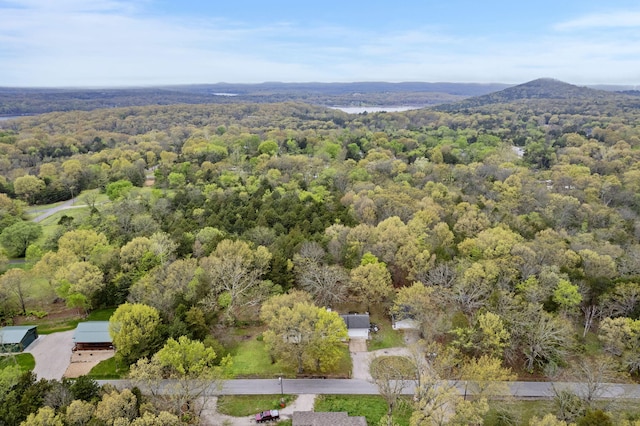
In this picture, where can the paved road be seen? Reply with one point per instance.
(522, 390)
(48, 212)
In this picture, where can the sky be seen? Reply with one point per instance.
(116, 43)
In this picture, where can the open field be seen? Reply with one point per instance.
(370, 406)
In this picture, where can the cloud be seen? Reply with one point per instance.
(112, 42)
(620, 19)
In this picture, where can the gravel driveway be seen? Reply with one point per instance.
(210, 417)
(52, 353)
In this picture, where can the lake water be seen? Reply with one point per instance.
(9, 117)
(360, 110)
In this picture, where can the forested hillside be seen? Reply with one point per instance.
(508, 226)
(28, 101)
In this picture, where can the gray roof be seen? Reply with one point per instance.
(14, 334)
(356, 320)
(92, 332)
(310, 418)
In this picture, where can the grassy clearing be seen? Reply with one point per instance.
(109, 369)
(101, 314)
(387, 337)
(373, 407)
(251, 359)
(26, 361)
(48, 327)
(50, 224)
(246, 405)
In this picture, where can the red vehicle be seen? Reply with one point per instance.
(268, 416)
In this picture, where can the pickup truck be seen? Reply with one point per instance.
(268, 416)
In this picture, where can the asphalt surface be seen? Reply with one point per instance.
(52, 353)
(520, 390)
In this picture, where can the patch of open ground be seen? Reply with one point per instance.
(210, 416)
(83, 361)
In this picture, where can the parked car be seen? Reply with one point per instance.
(268, 416)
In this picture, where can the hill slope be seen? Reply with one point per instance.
(543, 89)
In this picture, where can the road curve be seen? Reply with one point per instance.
(48, 212)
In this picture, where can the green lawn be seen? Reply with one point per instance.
(387, 337)
(246, 405)
(373, 407)
(24, 360)
(250, 359)
(101, 314)
(109, 369)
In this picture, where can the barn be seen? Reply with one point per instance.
(92, 336)
(17, 338)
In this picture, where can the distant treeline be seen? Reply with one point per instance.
(25, 101)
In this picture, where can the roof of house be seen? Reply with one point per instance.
(310, 418)
(92, 332)
(356, 320)
(14, 334)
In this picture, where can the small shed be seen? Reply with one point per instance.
(16, 338)
(311, 418)
(92, 336)
(357, 325)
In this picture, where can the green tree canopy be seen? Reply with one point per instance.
(17, 237)
(134, 328)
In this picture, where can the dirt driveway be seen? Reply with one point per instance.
(52, 353)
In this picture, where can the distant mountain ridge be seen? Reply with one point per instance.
(442, 96)
(540, 89)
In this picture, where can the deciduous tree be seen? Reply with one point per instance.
(83, 243)
(236, 270)
(29, 187)
(371, 281)
(304, 335)
(117, 405)
(190, 366)
(134, 330)
(14, 282)
(17, 237)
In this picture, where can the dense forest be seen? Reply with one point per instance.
(22, 101)
(506, 225)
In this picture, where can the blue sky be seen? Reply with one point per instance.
(150, 42)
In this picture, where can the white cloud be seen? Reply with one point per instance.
(111, 42)
(620, 19)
